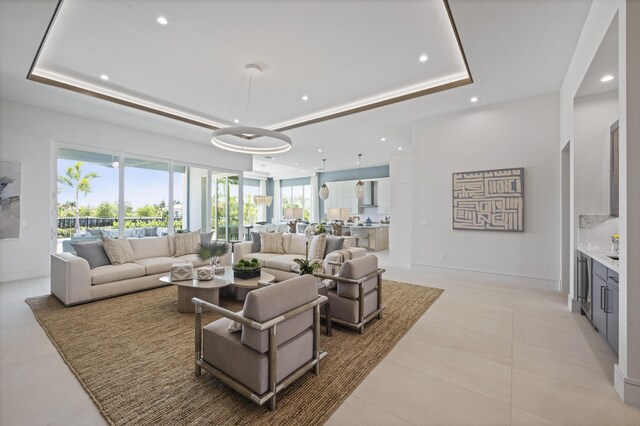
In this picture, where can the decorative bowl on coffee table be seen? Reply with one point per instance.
(246, 273)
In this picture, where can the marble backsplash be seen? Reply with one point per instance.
(595, 231)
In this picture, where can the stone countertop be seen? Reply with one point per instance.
(377, 225)
(600, 256)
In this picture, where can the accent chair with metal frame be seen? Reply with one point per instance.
(355, 292)
(277, 344)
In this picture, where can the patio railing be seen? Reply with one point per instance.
(100, 222)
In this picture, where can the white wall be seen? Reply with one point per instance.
(26, 136)
(522, 133)
(593, 117)
(401, 209)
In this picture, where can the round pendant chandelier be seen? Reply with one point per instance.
(263, 200)
(324, 189)
(246, 139)
(360, 184)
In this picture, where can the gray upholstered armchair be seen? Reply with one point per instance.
(355, 292)
(277, 344)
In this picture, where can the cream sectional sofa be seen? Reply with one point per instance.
(73, 282)
(280, 265)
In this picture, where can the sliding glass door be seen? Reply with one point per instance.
(117, 195)
(225, 206)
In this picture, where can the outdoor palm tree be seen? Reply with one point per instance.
(75, 181)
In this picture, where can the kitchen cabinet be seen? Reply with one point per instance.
(605, 303)
(598, 314)
(612, 306)
(342, 195)
(614, 178)
(383, 196)
(372, 238)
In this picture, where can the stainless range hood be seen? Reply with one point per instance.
(370, 198)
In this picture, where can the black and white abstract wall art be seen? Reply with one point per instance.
(9, 200)
(489, 200)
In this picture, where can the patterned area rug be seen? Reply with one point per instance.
(134, 356)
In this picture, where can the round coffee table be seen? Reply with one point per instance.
(209, 291)
(245, 286)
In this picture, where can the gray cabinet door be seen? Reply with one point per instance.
(598, 315)
(613, 313)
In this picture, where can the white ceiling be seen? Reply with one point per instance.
(605, 62)
(340, 54)
(514, 49)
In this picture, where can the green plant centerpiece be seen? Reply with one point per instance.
(245, 269)
(211, 252)
(308, 266)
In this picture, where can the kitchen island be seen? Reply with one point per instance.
(373, 237)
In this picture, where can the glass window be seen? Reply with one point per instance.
(250, 212)
(307, 202)
(179, 200)
(87, 196)
(296, 197)
(146, 192)
(224, 207)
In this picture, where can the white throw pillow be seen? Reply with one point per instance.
(271, 243)
(187, 243)
(318, 246)
(118, 251)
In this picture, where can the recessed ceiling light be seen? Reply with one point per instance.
(305, 98)
(296, 164)
(319, 149)
(162, 20)
(474, 99)
(423, 58)
(269, 158)
(236, 121)
(399, 148)
(104, 77)
(606, 78)
(383, 139)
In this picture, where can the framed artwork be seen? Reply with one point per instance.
(489, 200)
(9, 200)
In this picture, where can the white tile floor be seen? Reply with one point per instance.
(483, 354)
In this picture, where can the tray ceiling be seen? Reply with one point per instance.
(345, 56)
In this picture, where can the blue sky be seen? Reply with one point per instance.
(142, 186)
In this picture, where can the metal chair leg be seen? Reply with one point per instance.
(272, 403)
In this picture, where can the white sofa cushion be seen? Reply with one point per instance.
(157, 265)
(111, 273)
(286, 242)
(283, 262)
(145, 248)
(297, 244)
(260, 256)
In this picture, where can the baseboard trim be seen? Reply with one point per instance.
(627, 388)
(502, 277)
(574, 305)
(23, 275)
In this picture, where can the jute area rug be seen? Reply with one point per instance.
(134, 355)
